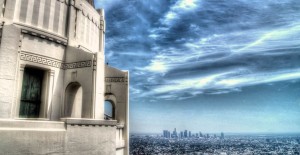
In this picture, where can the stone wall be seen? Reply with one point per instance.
(43, 137)
(116, 91)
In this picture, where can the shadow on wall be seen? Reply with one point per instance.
(73, 100)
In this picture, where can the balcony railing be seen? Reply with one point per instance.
(108, 117)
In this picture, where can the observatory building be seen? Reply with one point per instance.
(57, 96)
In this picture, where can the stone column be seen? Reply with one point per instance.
(50, 93)
(99, 72)
(99, 87)
(72, 25)
(19, 91)
(102, 32)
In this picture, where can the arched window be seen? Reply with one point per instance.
(109, 110)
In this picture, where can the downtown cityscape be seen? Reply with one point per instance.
(188, 134)
(189, 143)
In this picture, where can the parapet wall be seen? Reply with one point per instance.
(75, 137)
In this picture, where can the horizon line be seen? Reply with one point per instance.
(224, 132)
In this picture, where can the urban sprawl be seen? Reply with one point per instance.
(188, 143)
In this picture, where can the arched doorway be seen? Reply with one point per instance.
(73, 100)
(109, 110)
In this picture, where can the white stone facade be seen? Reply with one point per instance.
(53, 81)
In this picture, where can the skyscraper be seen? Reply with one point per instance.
(190, 134)
(181, 134)
(174, 135)
(185, 134)
(166, 134)
(222, 135)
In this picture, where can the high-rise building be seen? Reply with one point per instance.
(166, 134)
(174, 135)
(222, 135)
(200, 134)
(181, 134)
(190, 134)
(185, 134)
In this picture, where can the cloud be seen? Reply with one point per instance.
(217, 83)
(184, 48)
(226, 66)
(281, 36)
(181, 7)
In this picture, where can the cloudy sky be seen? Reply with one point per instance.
(208, 65)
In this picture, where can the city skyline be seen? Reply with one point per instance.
(230, 66)
(189, 134)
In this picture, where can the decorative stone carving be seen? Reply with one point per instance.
(115, 79)
(53, 62)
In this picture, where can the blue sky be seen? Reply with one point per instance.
(208, 65)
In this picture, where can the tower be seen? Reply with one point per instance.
(174, 133)
(181, 134)
(222, 135)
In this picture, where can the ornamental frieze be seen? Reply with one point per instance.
(53, 62)
(115, 79)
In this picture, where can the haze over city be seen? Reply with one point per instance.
(208, 65)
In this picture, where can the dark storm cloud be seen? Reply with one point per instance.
(180, 49)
